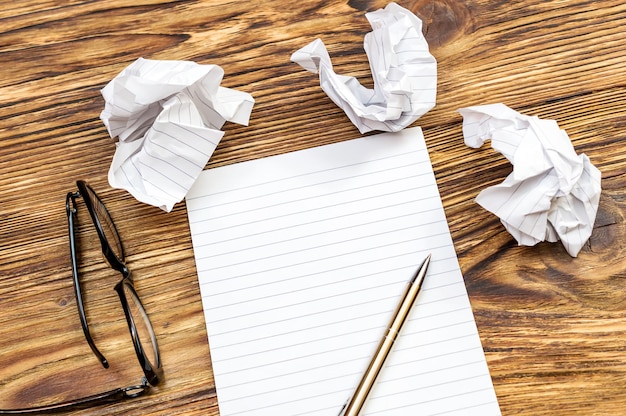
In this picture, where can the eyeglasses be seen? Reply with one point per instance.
(141, 331)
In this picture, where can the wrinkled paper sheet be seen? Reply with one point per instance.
(168, 116)
(552, 193)
(404, 73)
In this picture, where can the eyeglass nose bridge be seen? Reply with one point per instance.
(117, 265)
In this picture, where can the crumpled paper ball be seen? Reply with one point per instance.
(167, 115)
(404, 73)
(552, 193)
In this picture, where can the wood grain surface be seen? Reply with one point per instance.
(553, 327)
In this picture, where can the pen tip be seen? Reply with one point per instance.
(421, 270)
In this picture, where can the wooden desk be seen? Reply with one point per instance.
(553, 328)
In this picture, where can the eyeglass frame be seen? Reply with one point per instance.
(153, 372)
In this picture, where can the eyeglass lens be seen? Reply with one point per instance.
(108, 228)
(145, 333)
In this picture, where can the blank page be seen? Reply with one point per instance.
(302, 259)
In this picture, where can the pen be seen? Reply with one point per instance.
(356, 402)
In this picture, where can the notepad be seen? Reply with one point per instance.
(301, 260)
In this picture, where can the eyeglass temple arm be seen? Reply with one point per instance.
(110, 396)
(71, 214)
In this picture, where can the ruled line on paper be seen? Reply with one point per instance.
(424, 373)
(274, 183)
(330, 293)
(447, 367)
(434, 315)
(402, 254)
(424, 345)
(317, 221)
(301, 258)
(326, 296)
(211, 269)
(447, 355)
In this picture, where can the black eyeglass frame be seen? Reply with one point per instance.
(153, 372)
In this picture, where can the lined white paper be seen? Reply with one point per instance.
(301, 260)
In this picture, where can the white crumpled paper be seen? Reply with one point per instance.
(552, 193)
(168, 116)
(404, 73)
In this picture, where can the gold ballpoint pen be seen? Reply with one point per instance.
(356, 402)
